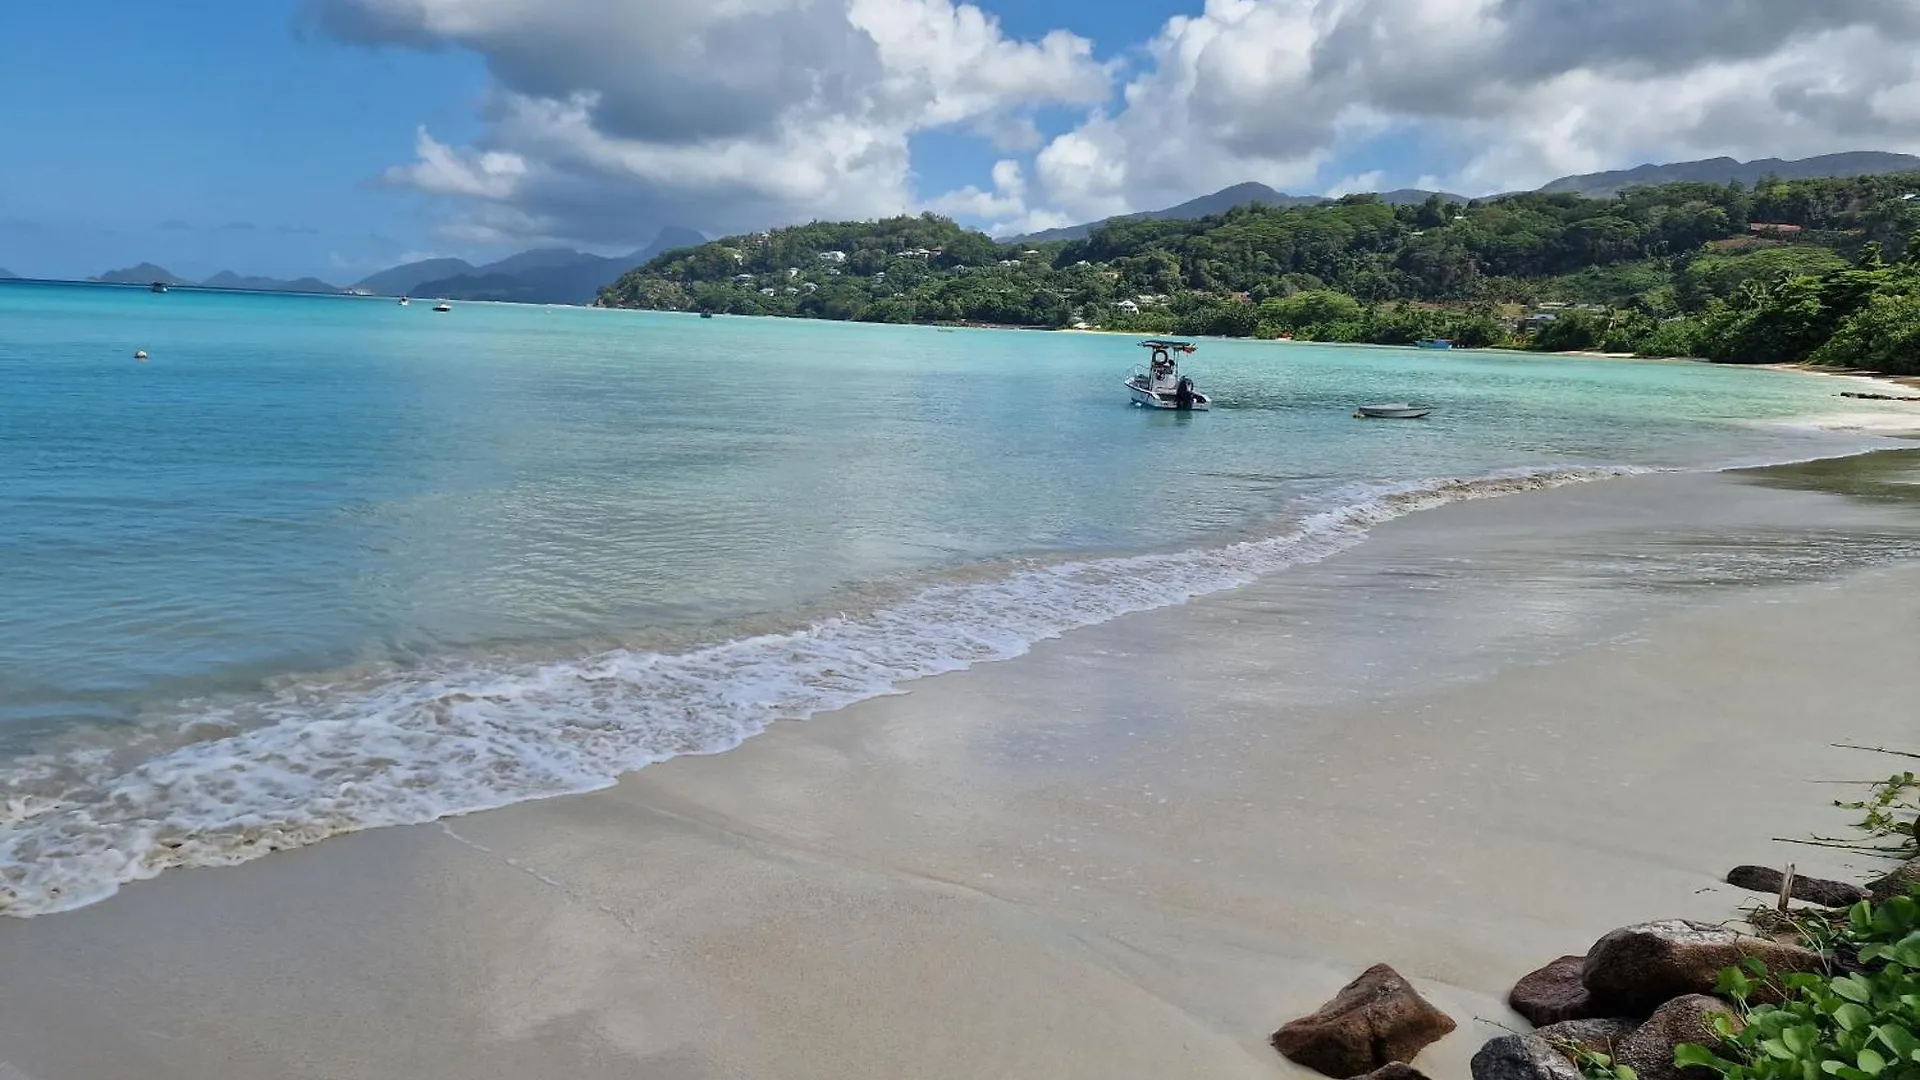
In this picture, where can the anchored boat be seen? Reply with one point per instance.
(1398, 410)
(1160, 385)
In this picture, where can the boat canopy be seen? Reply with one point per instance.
(1158, 345)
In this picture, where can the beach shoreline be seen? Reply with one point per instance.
(1132, 852)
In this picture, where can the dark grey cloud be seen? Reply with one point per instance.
(659, 70)
(1378, 52)
(175, 225)
(239, 226)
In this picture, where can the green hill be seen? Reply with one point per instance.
(1668, 270)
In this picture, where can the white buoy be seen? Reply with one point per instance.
(140, 354)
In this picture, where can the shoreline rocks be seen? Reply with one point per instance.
(1819, 891)
(1553, 994)
(1522, 1057)
(1375, 1021)
(1636, 969)
(1899, 883)
(1649, 1049)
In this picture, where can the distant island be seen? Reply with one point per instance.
(541, 276)
(6, 274)
(1786, 271)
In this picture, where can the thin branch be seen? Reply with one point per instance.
(1842, 844)
(1876, 750)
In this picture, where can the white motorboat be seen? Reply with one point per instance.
(443, 306)
(1160, 385)
(404, 301)
(1398, 410)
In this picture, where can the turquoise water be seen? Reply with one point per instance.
(322, 563)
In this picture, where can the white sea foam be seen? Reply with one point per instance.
(317, 760)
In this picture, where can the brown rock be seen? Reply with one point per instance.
(1522, 1057)
(1812, 890)
(1592, 1036)
(1395, 1070)
(1553, 994)
(1377, 1019)
(1637, 969)
(1899, 883)
(1649, 1050)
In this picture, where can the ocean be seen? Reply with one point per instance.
(324, 564)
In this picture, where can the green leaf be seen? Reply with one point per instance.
(1871, 1062)
(1853, 988)
(1898, 1039)
(1777, 1048)
(1755, 965)
(1689, 1055)
(1799, 1039)
(1850, 1017)
(1860, 917)
(1625, 1072)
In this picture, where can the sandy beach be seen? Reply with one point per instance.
(1479, 740)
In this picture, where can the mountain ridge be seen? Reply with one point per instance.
(142, 274)
(1723, 170)
(1719, 170)
(549, 275)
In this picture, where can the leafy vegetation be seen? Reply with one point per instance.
(1784, 273)
(1856, 1025)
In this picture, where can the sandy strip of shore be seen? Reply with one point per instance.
(1131, 853)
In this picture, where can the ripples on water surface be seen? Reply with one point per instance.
(324, 563)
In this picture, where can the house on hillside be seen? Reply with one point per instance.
(833, 257)
(1127, 307)
(1766, 228)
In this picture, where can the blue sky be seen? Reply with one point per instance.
(336, 137)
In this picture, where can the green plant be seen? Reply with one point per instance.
(1858, 1025)
(1592, 1064)
(1891, 807)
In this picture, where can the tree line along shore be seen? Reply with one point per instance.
(1805, 271)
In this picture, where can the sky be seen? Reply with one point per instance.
(334, 138)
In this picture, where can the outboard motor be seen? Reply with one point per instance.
(1183, 394)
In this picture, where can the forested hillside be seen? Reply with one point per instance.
(1787, 270)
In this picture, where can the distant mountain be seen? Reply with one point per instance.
(227, 279)
(549, 275)
(1604, 185)
(1224, 200)
(1723, 170)
(407, 278)
(5, 274)
(144, 274)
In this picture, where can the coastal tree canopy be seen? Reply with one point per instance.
(1776, 273)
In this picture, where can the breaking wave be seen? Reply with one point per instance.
(316, 759)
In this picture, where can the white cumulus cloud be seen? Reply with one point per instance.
(1495, 94)
(610, 118)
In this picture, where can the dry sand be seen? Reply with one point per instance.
(1461, 749)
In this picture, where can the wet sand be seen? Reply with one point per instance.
(1476, 742)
